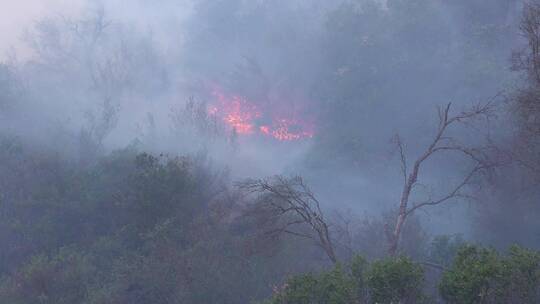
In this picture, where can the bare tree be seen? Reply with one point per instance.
(105, 63)
(98, 126)
(194, 117)
(526, 105)
(441, 143)
(528, 59)
(294, 205)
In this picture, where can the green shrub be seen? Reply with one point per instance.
(473, 276)
(395, 280)
(521, 270)
(481, 275)
(62, 279)
(332, 287)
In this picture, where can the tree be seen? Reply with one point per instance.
(510, 209)
(526, 106)
(395, 280)
(292, 204)
(482, 275)
(441, 143)
(333, 287)
(528, 59)
(194, 119)
(106, 64)
(392, 280)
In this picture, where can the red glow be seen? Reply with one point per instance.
(236, 112)
(246, 118)
(282, 131)
(265, 130)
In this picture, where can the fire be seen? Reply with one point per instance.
(240, 115)
(246, 118)
(281, 130)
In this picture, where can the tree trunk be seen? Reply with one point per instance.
(394, 241)
(402, 215)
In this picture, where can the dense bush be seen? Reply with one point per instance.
(481, 275)
(113, 232)
(475, 275)
(392, 280)
(395, 280)
(333, 287)
(138, 228)
(129, 228)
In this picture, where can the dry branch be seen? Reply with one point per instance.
(294, 203)
(440, 143)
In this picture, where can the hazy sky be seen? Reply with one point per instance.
(279, 54)
(17, 15)
(20, 14)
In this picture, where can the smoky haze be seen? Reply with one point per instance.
(315, 88)
(157, 141)
(358, 71)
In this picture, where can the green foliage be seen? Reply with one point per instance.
(472, 277)
(62, 279)
(481, 275)
(395, 280)
(130, 228)
(521, 270)
(359, 266)
(136, 228)
(332, 287)
(476, 275)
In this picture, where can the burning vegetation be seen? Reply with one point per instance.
(246, 117)
(166, 154)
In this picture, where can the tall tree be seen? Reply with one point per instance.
(442, 142)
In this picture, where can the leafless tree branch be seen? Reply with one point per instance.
(440, 143)
(293, 201)
(402, 156)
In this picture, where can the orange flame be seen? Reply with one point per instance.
(237, 112)
(243, 116)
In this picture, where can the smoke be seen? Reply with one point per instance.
(317, 88)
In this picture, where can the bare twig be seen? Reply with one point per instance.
(439, 144)
(292, 201)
